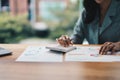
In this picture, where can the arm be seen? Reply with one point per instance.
(78, 33)
(77, 37)
(113, 46)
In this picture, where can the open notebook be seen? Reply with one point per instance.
(61, 48)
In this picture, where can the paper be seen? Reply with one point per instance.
(86, 50)
(88, 54)
(39, 54)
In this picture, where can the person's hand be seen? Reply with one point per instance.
(64, 40)
(109, 46)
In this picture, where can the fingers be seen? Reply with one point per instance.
(69, 40)
(109, 46)
(105, 48)
(113, 51)
(60, 42)
(64, 40)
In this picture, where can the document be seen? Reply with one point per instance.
(40, 54)
(90, 54)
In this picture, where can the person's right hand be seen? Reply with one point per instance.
(64, 40)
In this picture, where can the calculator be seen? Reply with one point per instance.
(4, 52)
(60, 48)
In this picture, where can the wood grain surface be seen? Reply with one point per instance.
(12, 70)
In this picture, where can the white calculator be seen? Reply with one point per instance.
(61, 48)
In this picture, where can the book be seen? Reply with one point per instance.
(60, 48)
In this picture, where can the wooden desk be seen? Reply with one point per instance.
(11, 70)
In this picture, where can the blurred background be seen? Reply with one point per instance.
(37, 21)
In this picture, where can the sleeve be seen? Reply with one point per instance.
(118, 20)
(117, 23)
(78, 33)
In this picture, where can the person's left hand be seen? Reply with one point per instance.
(109, 46)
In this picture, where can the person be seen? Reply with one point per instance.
(99, 23)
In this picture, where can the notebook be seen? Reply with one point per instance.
(61, 48)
